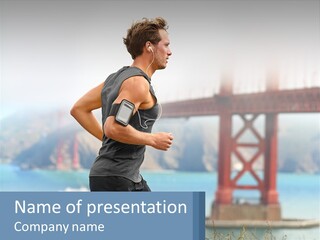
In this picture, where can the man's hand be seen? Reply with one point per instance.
(162, 140)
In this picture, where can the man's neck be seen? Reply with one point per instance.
(144, 64)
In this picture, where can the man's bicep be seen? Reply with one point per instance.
(134, 90)
(92, 99)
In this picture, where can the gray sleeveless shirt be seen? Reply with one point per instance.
(116, 158)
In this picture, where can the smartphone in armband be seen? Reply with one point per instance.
(124, 112)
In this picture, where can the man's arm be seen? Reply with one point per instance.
(82, 111)
(136, 90)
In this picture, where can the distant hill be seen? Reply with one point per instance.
(31, 140)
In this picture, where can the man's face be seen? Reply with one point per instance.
(162, 50)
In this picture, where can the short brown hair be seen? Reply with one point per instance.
(143, 31)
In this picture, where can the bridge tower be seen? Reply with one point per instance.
(224, 206)
(67, 148)
(76, 157)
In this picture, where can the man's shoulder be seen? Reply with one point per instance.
(136, 81)
(130, 75)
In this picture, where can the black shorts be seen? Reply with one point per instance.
(116, 183)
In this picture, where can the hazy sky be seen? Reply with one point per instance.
(52, 52)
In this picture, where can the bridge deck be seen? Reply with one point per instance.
(282, 101)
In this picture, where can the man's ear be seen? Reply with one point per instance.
(148, 46)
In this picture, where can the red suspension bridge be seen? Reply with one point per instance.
(226, 104)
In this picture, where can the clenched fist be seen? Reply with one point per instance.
(162, 140)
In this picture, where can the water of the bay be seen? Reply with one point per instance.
(299, 194)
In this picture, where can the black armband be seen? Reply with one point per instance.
(122, 112)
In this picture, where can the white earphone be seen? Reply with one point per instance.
(150, 50)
